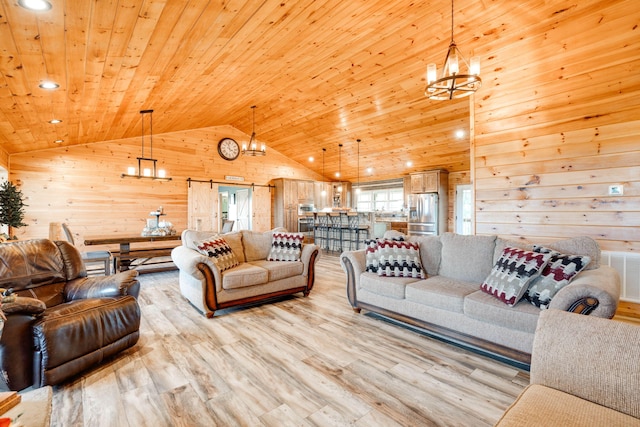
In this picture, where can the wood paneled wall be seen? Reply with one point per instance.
(557, 122)
(82, 186)
(4, 159)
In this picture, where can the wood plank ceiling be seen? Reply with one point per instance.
(321, 72)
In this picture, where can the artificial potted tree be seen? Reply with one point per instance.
(11, 208)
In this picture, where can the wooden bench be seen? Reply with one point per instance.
(123, 261)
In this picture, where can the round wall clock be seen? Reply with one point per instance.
(228, 149)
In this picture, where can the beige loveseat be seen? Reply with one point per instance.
(584, 372)
(449, 304)
(254, 278)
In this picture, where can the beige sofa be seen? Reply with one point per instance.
(255, 279)
(584, 372)
(449, 303)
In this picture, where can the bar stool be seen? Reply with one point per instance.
(335, 232)
(350, 229)
(321, 230)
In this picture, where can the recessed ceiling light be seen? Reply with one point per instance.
(38, 5)
(409, 163)
(55, 121)
(337, 174)
(460, 134)
(49, 85)
(369, 170)
(58, 141)
(311, 159)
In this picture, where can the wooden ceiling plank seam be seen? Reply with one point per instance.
(124, 23)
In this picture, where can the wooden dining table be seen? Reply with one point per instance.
(124, 257)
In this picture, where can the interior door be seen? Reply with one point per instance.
(202, 206)
(244, 210)
(261, 208)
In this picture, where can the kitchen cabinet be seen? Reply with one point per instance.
(427, 182)
(285, 204)
(305, 191)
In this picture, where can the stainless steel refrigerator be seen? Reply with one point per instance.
(423, 214)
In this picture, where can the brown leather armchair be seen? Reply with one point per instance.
(62, 322)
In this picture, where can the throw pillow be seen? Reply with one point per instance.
(371, 255)
(371, 252)
(511, 274)
(286, 246)
(219, 251)
(399, 259)
(557, 274)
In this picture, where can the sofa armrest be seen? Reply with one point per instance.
(353, 263)
(592, 358)
(191, 262)
(119, 284)
(305, 257)
(23, 305)
(187, 260)
(599, 287)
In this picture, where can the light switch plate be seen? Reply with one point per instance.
(616, 190)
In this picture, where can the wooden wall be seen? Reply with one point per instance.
(4, 159)
(557, 122)
(82, 186)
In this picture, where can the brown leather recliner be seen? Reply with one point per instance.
(62, 322)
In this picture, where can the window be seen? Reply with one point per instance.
(391, 199)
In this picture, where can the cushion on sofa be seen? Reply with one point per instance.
(280, 269)
(244, 275)
(399, 259)
(582, 245)
(440, 292)
(558, 273)
(234, 239)
(393, 287)
(510, 276)
(430, 253)
(466, 258)
(538, 405)
(219, 251)
(486, 308)
(256, 245)
(285, 246)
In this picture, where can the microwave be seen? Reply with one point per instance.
(304, 208)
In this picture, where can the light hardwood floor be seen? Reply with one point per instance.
(299, 361)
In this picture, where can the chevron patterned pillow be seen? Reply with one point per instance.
(286, 246)
(512, 273)
(219, 251)
(399, 259)
(557, 274)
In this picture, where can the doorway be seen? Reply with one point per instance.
(463, 209)
(235, 205)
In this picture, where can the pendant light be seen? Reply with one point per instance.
(452, 84)
(252, 148)
(148, 173)
(324, 191)
(358, 170)
(339, 173)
